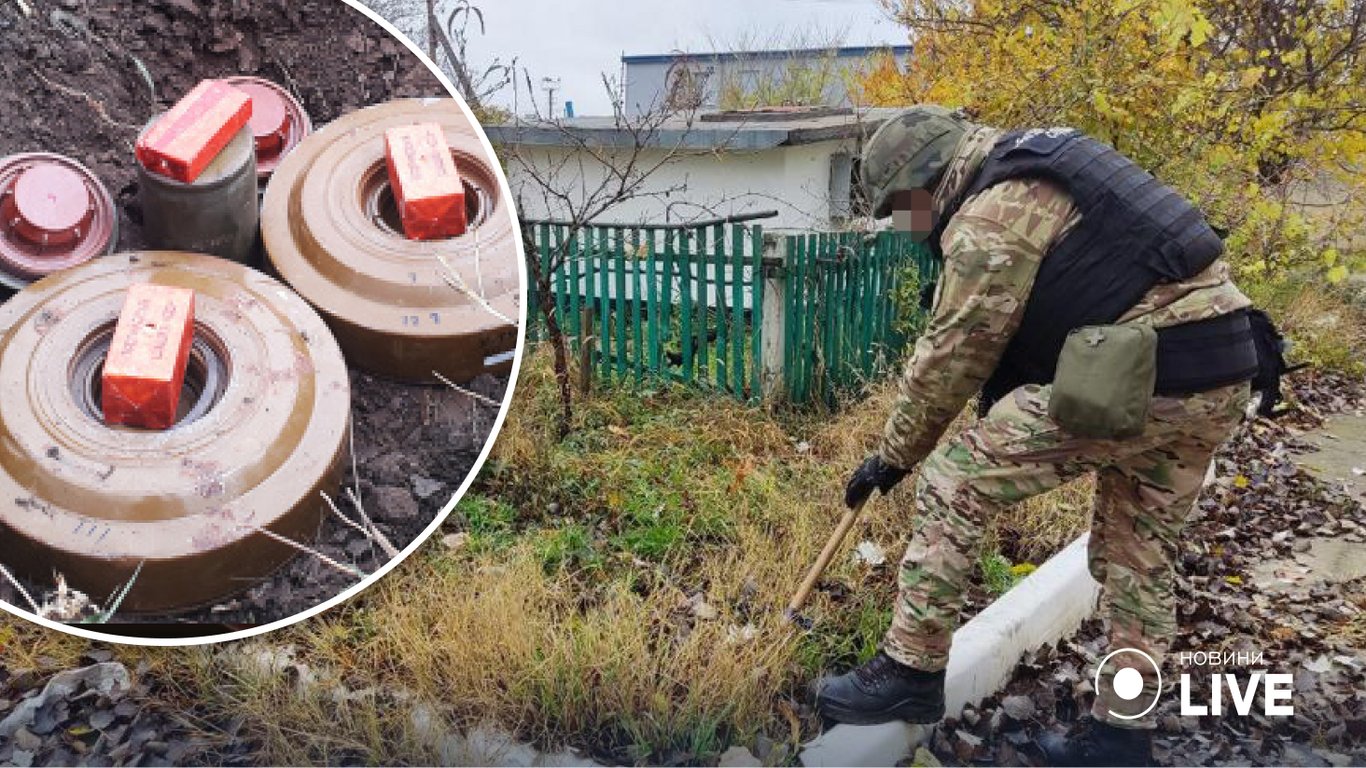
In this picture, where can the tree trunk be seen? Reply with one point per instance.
(433, 29)
(546, 305)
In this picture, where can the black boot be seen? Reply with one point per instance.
(1091, 742)
(881, 691)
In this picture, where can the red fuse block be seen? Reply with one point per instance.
(182, 142)
(146, 365)
(427, 187)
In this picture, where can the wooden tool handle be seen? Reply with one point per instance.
(822, 562)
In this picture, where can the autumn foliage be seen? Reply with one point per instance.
(1256, 110)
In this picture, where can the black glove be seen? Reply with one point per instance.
(872, 473)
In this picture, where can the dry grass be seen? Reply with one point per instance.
(28, 646)
(624, 593)
(1326, 324)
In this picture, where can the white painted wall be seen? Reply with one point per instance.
(795, 181)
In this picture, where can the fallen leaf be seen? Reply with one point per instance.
(1019, 708)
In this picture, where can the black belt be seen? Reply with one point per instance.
(1205, 354)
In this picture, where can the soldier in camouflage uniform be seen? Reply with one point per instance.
(993, 244)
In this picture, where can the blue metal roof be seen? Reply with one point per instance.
(862, 51)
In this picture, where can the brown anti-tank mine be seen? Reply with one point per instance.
(261, 433)
(331, 230)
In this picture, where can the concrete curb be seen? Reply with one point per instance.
(1043, 608)
(1046, 606)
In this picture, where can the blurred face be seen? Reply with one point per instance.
(913, 213)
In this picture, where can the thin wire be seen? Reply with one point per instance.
(475, 395)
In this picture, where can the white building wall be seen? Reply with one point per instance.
(795, 181)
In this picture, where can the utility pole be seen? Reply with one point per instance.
(550, 85)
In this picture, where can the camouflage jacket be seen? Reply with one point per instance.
(992, 250)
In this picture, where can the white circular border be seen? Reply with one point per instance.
(1156, 669)
(460, 492)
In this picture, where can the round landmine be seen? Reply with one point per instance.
(54, 214)
(262, 426)
(331, 230)
(278, 121)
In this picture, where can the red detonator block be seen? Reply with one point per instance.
(146, 365)
(182, 142)
(427, 187)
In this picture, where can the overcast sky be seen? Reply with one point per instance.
(578, 40)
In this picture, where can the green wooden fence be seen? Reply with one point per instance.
(690, 305)
(851, 307)
(679, 303)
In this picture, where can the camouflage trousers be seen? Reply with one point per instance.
(1146, 486)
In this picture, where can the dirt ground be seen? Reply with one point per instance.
(81, 77)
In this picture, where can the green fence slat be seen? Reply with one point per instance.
(867, 278)
(552, 252)
(822, 323)
(667, 297)
(843, 342)
(558, 280)
(874, 305)
(827, 325)
(702, 326)
(800, 334)
(890, 270)
(834, 367)
(542, 247)
(788, 310)
(686, 314)
(639, 310)
(543, 256)
(604, 323)
(808, 309)
(793, 327)
(858, 319)
(809, 345)
(841, 303)
(623, 306)
(584, 247)
(737, 310)
(853, 345)
(756, 312)
(717, 259)
(875, 301)
(823, 371)
(819, 320)
(652, 300)
(571, 267)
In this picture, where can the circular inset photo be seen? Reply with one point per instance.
(262, 308)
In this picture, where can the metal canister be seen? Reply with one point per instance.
(216, 214)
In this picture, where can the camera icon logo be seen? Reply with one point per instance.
(1127, 682)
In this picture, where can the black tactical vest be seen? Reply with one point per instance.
(1134, 233)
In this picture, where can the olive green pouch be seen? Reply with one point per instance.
(1104, 382)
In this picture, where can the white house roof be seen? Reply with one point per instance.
(846, 52)
(735, 131)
